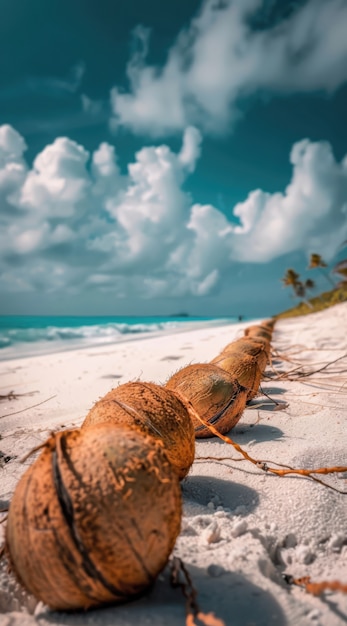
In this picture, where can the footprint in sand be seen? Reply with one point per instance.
(112, 376)
(171, 358)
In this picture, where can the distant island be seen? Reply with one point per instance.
(179, 315)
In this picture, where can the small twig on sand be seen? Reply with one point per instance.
(316, 588)
(180, 577)
(218, 458)
(280, 405)
(263, 465)
(29, 407)
(11, 395)
(303, 374)
(295, 374)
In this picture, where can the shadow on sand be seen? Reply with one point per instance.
(204, 489)
(244, 433)
(230, 597)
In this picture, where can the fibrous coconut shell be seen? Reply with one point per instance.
(216, 396)
(244, 368)
(156, 411)
(269, 323)
(95, 518)
(255, 346)
(258, 331)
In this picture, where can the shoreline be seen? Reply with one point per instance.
(242, 528)
(42, 348)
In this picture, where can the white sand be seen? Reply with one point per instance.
(242, 528)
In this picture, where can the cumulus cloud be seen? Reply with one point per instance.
(223, 57)
(311, 214)
(58, 179)
(74, 222)
(12, 164)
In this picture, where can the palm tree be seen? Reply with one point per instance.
(291, 279)
(310, 284)
(301, 288)
(316, 261)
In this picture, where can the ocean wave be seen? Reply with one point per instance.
(91, 333)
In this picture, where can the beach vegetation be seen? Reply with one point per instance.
(318, 303)
(337, 294)
(316, 262)
(300, 288)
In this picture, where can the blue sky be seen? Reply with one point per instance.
(158, 157)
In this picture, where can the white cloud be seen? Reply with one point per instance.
(58, 179)
(151, 212)
(107, 179)
(30, 239)
(190, 151)
(74, 222)
(12, 145)
(310, 215)
(12, 164)
(220, 59)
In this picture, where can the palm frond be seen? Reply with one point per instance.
(316, 261)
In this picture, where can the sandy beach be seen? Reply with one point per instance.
(242, 528)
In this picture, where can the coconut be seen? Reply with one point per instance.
(154, 410)
(95, 518)
(258, 327)
(269, 323)
(244, 368)
(216, 396)
(254, 346)
(258, 331)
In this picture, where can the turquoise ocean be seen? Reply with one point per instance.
(29, 335)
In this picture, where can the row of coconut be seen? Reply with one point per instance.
(96, 516)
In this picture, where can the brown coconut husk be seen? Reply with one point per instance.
(95, 518)
(255, 346)
(270, 323)
(216, 396)
(258, 331)
(154, 410)
(244, 368)
(248, 340)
